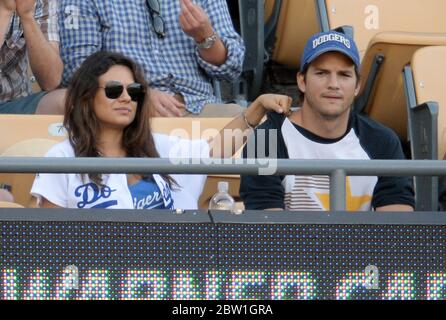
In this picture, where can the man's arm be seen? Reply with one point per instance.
(225, 58)
(164, 104)
(196, 24)
(264, 192)
(233, 136)
(44, 58)
(393, 193)
(395, 207)
(5, 18)
(80, 34)
(48, 205)
(7, 8)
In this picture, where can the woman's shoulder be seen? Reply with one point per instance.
(61, 149)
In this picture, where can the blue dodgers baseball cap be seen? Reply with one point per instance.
(329, 41)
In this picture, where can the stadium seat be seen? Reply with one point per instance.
(296, 23)
(370, 17)
(27, 135)
(23, 127)
(194, 127)
(427, 66)
(21, 183)
(268, 9)
(382, 98)
(426, 100)
(247, 87)
(274, 31)
(35, 147)
(6, 204)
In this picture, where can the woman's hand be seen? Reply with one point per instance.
(226, 144)
(275, 102)
(266, 103)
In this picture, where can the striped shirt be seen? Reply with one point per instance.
(171, 64)
(14, 79)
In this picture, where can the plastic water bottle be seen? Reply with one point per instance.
(222, 200)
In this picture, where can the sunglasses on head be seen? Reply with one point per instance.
(157, 21)
(114, 89)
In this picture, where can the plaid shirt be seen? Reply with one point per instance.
(14, 79)
(172, 64)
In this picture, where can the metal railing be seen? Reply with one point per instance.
(338, 170)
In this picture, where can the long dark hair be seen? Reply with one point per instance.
(82, 124)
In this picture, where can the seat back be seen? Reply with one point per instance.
(16, 128)
(269, 7)
(386, 102)
(194, 127)
(425, 109)
(6, 204)
(428, 67)
(370, 17)
(21, 183)
(297, 22)
(27, 135)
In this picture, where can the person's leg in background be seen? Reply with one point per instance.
(52, 102)
(217, 110)
(229, 110)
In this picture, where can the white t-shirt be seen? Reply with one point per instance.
(312, 192)
(77, 191)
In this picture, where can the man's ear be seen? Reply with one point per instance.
(358, 87)
(301, 82)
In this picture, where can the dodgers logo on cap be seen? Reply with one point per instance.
(329, 41)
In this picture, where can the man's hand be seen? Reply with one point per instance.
(7, 6)
(25, 8)
(194, 21)
(164, 105)
(7, 9)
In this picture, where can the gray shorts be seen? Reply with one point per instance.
(25, 105)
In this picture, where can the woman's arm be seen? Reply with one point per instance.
(47, 204)
(232, 137)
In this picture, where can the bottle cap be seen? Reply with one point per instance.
(223, 186)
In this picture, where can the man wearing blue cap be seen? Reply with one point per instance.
(325, 127)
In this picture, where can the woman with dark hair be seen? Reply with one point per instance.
(107, 115)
